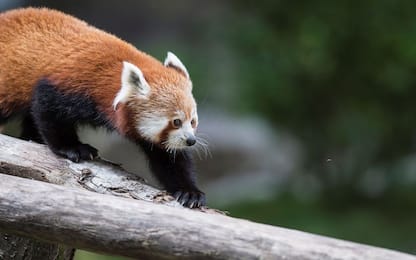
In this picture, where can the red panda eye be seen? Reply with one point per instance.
(177, 123)
(193, 122)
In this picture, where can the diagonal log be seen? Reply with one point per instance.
(99, 207)
(145, 230)
(36, 161)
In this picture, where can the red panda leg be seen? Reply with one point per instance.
(176, 173)
(56, 115)
(62, 139)
(3, 118)
(29, 130)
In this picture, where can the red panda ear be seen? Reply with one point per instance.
(174, 62)
(132, 83)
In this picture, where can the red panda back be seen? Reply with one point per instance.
(43, 43)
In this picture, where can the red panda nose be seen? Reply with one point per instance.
(190, 141)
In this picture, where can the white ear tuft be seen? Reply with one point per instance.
(132, 82)
(173, 61)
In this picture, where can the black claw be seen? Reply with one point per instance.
(202, 201)
(72, 155)
(87, 152)
(184, 199)
(190, 199)
(79, 152)
(177, 194)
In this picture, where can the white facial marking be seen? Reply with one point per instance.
(177, 138)
(187, 129)
(132, 82)
(180, 114)
(194, 115)
(151, 126)
(172, 60)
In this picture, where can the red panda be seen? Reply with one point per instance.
(59, 72)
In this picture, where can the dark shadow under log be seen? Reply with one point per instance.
(22, 248)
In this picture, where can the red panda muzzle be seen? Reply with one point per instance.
(190, 141)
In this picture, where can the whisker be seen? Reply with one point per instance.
(202, 135)
(202, 146)
(197, 152)
(206, 151)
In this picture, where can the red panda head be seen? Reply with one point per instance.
(160, 103)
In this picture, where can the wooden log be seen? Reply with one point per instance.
(36, 161)
(145, 230)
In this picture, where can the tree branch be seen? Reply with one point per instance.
(35, 161)
(136, 228)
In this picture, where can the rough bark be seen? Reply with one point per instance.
(144, 230)
(15, 247)
(71, 214)
(34, 161)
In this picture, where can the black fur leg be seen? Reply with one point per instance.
(176, 174)
(56, 115)
(29, 130)
(62, 139)
(3, 118)
(78, 152)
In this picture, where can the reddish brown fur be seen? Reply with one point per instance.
(43, 43)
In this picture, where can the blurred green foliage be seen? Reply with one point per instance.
(338, 74)
(84, 255)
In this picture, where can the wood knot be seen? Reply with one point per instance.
(86, 174)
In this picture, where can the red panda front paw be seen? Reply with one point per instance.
(190, 198)
(79, 152)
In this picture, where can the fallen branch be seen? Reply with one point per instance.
(141, 229)
(135, 228)
(35, 161)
